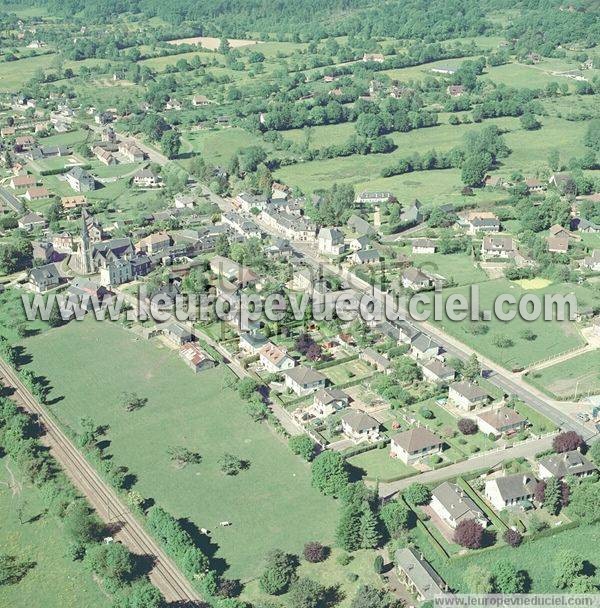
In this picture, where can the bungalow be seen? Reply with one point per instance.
(582, 225)
(177, 333)
(251, 342)
(327, 401)
(195, 357)
(42, 250)
(31, 221)
(275, 359)
(184, 201)
(443, 69)
(453, 505)
(131, 152)
(407, 332)
(413, 214)
(232, 271)
(304, 380)
(425, 347)
(510, 491)
(25, 142)
(559, 231)
(80, 180)
(146, 178)
(377, 360)
(374, 198)
(535, 185)
(22, 182)
(423, 246)
(563, 182)
(479, 221)
(359, 426)
(153, 243)
(572, 463)
(43, 278)
(415, 279)
(330, 241)
(417, 575)
(365, 256)
(499, 421)
(37, 193)
(414, 444)
(436, 371)
(497, 247)
(466, 395)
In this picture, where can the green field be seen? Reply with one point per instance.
(552, 338)
(196, 411)
(219, 146)
(14, 73)
(580, 374)
(378, 464)
(55, 580)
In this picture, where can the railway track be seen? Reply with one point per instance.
(165, 575)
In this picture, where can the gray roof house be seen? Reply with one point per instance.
(44, 277)
(562, 465)
(414, 444)
(510, 491)
(436, 371)
(80, 180)
(360, 426)
(425, 347)
(177, 333)
(304, 380)
(377, 360)
(365, 256)
(360, 226)
(454, 506)
(415, 279)
(418, 576)
(467, 395)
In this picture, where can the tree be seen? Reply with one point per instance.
(479, 580)
(592, 135)
(230, 464)
(170, 143)
(585, 502)
(315, 552)
(141, 594)
(306, 593)
(396, 517)
(246, 387)
(279, 570)
(567, 441)
(12, 570)
(471, 369)
(552, 496)
(568, 566)
(302, 445)
(181, 456)
(513, 538)
(370, 597)
(132, 401)
(113, 561)
(554, 159)
(469, 534)
(329, 474)
(583, 584)
(594, 452)
(369, 533)
(540, 491)
(417, 494)
(529, 122)
(507, 578)
(474, 169)
(378, 564)
(79, 523)
(467, 426)
(348, 529)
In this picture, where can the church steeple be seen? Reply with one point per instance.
(86, 250)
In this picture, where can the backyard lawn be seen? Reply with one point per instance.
(378, 464)
(55, 580)
(90, 365)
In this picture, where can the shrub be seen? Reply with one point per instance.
(467, 426)
(315, 552)
(565, 442)
(512, 537)
(469, 534)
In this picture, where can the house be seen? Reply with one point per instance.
(304, 380)
(22, 182)
(582, 225)
(415, 279)
(246, 202)
(146, 178)
(195, 358)
(177, 333)
(200, 100)
(592, 262)
(453, 505)
(558, 244)
(510, 491)
(275, 359)
(374, 57)
(377, 360)
(104, 156)
(417, 575)
(72, 202)
(37, 193)
(466, 395)
(153, 243)
(63, 242)
(535, 185)
(280, 248)
(330, 241)
(80, 180)
(455, 90)
(407, 332)
(251, 342)
(436, 371)
(131, 152)
(443, 69)
(360, 226)
(559, 231)
(423, 347)
(413, 214)
(42, 250)
(43, 278)
(423, 246)
(414, 444)
(479, 221)
(365, 256)
(108, 135)
(232, 271)
(327, 401)
(31, 221)
(359, 426)
(360, 243)
(572, 463)
(292, 227)
(497, 247)
(499, 421)
(374, 198)
(563, 182)
(116, 272)
(25, 142)
(184, 201)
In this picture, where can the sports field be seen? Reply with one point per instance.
(91, 364)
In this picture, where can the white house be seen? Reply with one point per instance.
(423, 246)
(415, 444)
(359, 426)
(510, 491)
(327, 401)
(562, 465)
(499, 421)
(453, 505)
(466, 395)
(330, 241)
(274, 358)
(304, 380)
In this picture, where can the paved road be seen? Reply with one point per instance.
(165, 574)
(526, 450)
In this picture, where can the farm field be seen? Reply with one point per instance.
(579, 375)
(14, 73)
(551, 338)
(55, 580)
(219, 146)
(198, 412)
